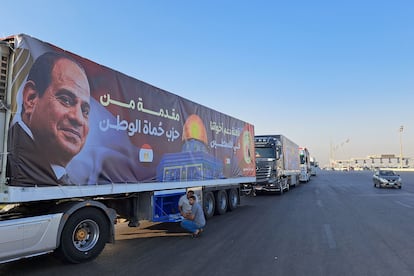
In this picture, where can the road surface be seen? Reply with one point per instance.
(336, 224)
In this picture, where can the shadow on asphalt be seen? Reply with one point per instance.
(169, 227)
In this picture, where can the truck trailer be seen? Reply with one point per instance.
(277, 163)
(84, 145)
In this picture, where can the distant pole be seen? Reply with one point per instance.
(331, 156)
(333, 150)
(401, 149)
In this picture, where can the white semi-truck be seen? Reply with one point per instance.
(82, 145)
(314, 165)
(305, 166)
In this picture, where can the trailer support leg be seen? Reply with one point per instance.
(133, 219)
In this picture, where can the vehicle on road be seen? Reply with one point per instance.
(277, 163)
(305, 166)
(314, 165)
(131, 150)
(387, 178)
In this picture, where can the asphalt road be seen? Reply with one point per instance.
(337, 224)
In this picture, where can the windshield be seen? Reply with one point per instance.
(387, 173)
(302, 159)
(265, 153)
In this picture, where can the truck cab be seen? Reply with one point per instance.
(269, 176)
(313, 165)
(305, 166)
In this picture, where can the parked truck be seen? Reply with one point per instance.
(83, 145)
(277, 163)
(314, 165)
(305, 167)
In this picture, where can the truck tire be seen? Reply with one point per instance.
(221, 202)
(209, 205)
(233, 199)
(84, 236)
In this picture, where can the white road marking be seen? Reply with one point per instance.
(403, 204)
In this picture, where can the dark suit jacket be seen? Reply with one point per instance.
(27, 164)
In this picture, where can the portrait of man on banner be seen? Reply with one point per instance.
(54, 122)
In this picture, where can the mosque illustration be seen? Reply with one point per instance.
(194, 162)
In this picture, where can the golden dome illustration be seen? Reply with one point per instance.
(194, 129)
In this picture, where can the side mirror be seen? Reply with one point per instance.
(278, 149)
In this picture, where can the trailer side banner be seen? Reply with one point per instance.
(75, 122)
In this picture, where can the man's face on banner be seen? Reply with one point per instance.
(59, 120)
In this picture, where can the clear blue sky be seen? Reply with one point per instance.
(319, 72)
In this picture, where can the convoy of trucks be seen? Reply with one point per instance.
(277, 163)
(83, 145)
(115, 147)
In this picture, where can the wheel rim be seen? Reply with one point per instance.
(85, 235)
(209, 205)
(223, 202)
(233, 199)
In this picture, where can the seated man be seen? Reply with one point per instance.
(194, 221)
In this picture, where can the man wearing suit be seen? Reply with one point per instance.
(54, 124)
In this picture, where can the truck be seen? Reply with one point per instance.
(305, 167)
(314, 165)
(83, 146)
(277, 163)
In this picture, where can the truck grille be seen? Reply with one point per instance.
(263, 171)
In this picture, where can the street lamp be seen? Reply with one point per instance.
(333, 150)
(401, 152)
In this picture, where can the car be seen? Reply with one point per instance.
(386, 178)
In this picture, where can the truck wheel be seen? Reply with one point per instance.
(221, 202)
(209, 205)
(84, 236)
(233, 199)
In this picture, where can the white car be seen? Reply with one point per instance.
(386, 178)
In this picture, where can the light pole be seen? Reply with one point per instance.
(334, 149)
(401, 152)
